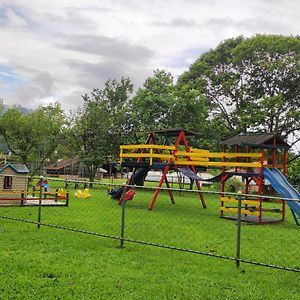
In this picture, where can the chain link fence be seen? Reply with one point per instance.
(184, 225)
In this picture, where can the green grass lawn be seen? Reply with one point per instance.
(50, 263)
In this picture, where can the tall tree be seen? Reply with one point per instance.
(117, 102)
(49, 123)
(90, 128)
(102, 124)
(190, 110)
(33, 136)
(152, 103)
(161, 104)
(251, 83)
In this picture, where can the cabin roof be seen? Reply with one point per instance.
(66, 163)
(257, 140)
(63, 163)
(18, 168)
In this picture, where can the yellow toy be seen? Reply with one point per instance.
(83, 194)
(61, 193)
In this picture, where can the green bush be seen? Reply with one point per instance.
(234, 185)
(294, 171)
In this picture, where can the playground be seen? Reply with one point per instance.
(99, 263)
(192, 221)
(256, 158)
(184, 225)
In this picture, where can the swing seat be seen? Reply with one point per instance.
(129, 195)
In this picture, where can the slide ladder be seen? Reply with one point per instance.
(285, 189)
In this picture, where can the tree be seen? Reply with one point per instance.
(102, 124)
(90, 128)
(49, 123)
(161, 104)
(190, 111)
(115, 99)
(33, 136)
(294, 169)
(251, 83)
(151, 107)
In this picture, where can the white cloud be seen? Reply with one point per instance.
(58, 50)
(13, 19)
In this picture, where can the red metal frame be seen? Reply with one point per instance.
(151, 138)
(180, 137)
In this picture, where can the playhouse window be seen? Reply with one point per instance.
(7, 183)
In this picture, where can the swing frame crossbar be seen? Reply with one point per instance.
(162, 153)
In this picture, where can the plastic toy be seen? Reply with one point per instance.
(61, 193)
(83, 194)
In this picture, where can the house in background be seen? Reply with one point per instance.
(71, 169)
(70, 166)
(13, 181)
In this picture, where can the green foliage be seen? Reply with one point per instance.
(33, 136)
(234, 185)
(293, 171)
(18, 132)
(190, 111)
(89, 133)
(50, 121)
(159, 105)
(251, 83)
(151, 107)
(1, 105)
(117, 102)
(102, 124)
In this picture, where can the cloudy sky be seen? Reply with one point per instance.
(58, 50)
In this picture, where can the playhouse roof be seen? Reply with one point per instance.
(170, 132)
(256, 140)
(18, 168)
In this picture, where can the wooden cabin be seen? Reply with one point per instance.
(13, 181)
(71, 168)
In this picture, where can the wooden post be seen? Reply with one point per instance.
(223, 179)
(40, 203)
(22, 198)
(274, 157)
(260, 191)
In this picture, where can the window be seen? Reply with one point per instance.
(7, 183)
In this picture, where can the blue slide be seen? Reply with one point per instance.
(285, 189)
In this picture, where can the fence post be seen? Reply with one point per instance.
(22, 198)
(238, 232)
(40, 203)
(56, 195)
(67, 199)
(123, 203)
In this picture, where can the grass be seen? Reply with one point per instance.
(56, 264)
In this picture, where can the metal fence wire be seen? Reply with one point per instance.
(184, 225)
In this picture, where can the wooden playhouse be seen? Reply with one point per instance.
(13, 182)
